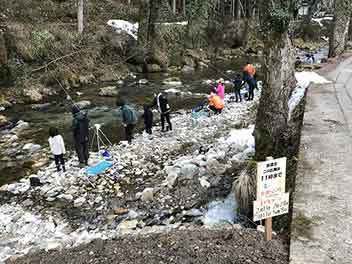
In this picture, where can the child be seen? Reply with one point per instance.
(57, 147)
(220, 89)
(148, 119)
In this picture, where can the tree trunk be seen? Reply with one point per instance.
(144, 13)
(273, 131)
(339, 32)
(80, 16)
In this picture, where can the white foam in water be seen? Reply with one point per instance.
(220, 212)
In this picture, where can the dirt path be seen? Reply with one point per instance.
(322, 220)
(201, 246)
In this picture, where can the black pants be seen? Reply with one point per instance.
(82, 151)
(215, 110)
(59, 160)
(167, 117)
(238, 95)
(148, 129)
(129, 132)
(251, 92)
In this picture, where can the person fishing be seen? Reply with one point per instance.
(220, 89)
(164, 109)
(148, 119)
(237, 83)
(57, 147)
(129, 119)
(215, 103)
(80, 129)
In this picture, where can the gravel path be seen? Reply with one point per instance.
(322, 220)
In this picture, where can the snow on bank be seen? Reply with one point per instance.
(123, 25)
(132, 29)
(304, 79)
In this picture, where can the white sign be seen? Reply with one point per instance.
(271, 206)
(271, 177)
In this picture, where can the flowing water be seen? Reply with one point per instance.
(103, 109)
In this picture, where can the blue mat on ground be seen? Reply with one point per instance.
(99, 168)
(201, 113)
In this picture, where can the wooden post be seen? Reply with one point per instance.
(269, 221)
(174, 6)
(80, 18)
(184, 7)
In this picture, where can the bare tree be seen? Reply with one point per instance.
(80, 16)
(339, 32)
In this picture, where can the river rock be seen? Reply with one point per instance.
(172, 81)
(31, 148)
(147, 195)
(3, 120)
(67, 197)
(32, 94)
(83, 104)
(188, 171)
(188, 69)
(20, 126)
(40, 106)
(143, 81)
(128, 224)
(79, 201)
(215, 167)
(153, 68)
(110, 91)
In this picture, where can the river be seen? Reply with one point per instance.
(103, 109)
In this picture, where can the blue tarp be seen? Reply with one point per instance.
(99, 168)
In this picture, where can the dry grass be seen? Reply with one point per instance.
(245, 187)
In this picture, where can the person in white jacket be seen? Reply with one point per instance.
(57, 147)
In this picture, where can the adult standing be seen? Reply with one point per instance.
(129, 119)
(80, 129)
(249, 76)
(237, 84)
(164, 109)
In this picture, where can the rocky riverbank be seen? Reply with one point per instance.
(156, 181)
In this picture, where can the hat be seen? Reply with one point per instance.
(221, 80)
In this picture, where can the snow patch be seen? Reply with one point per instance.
(304, 79)
(123, 25)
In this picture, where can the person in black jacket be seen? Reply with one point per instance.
(148, 119)
(238, 83)
(80, 129)
(164, 109)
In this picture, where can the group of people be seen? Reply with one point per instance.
(217, 95)
(129, 116)
(80, 128)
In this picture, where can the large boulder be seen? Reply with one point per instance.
(32, 94)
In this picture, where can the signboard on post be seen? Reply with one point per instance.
(270, 206)
(271, 177)
(271, 197)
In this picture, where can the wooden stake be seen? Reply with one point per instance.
(268, 229)
(269, 221)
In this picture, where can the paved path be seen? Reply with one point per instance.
(322, 218)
